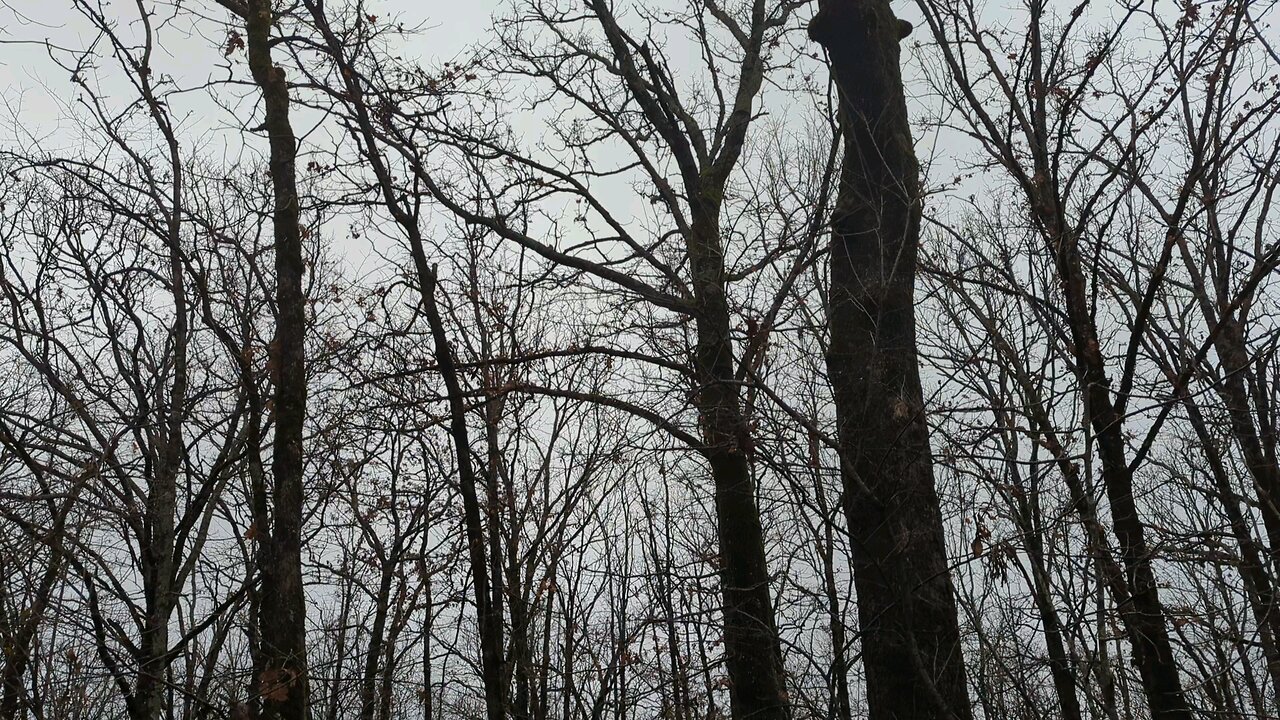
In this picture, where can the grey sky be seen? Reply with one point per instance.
(37, 94)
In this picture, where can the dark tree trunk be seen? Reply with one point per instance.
(1144, 613)
(1236, 370)
(1061, 663)
(753, 655)
(428, 708)
(841, 708)
(1145, 619)
(374, 652)
(1253, 570)
(282, 683)
(906, 606)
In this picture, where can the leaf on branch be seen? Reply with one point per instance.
(235, 41)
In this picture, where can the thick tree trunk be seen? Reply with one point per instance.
(910, 634)
(282, 683)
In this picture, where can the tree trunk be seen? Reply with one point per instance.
(282, 683)
(374, 651)
(753, 655)
(16, 652)
(906, 606)
(1253, 570)
(1148, 634)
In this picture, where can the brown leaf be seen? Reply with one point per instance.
(234, 42)
(274, 683)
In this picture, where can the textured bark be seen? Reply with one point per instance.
(906, 606)
(282, 683)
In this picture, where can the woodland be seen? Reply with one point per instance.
(639, 360)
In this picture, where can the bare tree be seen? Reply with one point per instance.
(281, 683)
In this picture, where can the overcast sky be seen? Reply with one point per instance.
(35, 91)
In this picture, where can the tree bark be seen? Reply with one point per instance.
(906, 606)
(282, 679)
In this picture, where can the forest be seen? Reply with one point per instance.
(639, 360)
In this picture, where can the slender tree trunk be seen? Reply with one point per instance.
(487, 587)
(544, 671)
(753, 655)
(160, 545)
(148, 696)
(841, 708)
(390, 653)
(1061, 665)
(282, 683)
(428, 707)
(373, 653)
(1115, 575)
(339, 662)
(1148, 633)
(906, 605)
(488, 602)
(1145, 618)
(1257, 582)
